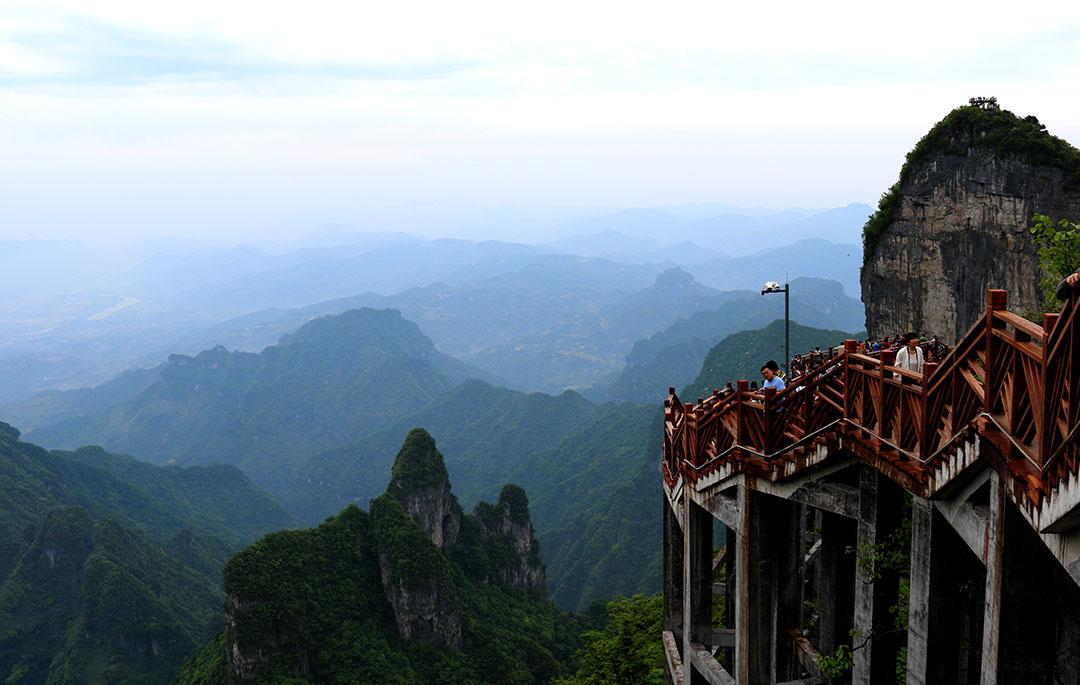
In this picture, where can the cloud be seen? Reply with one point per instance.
(81, 51)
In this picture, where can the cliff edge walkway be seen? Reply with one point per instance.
(876, 525)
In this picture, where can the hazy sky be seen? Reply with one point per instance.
(247, 118)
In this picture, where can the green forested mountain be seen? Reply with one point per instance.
(362, 380)
(741, 355)
(412, 591)
(673, 356)
(110, 568)
(591, 470)
(334, 379)
(54, 406)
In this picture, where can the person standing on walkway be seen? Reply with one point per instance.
(1067, 287)
(910, 357)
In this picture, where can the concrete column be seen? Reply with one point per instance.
(673, 569)
(697, 581)
(742, 589)
(920, 580)
(995, 557)
(825, 584)
(688, 534)
(866, 534)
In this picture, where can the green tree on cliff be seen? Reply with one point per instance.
(1059, 252)
(628, 650)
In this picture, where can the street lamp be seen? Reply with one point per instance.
(774, 287)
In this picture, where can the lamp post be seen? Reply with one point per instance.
(774, 287)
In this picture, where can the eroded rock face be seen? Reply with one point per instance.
(422, 606)
(437, 511)
(508, 527)
(961, 226)
(420, 482)
(243, 664)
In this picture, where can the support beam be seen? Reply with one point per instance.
(697, 579)
(836, 498)
(861, 673)
(708, 667)
(994, 559)
(672, 660)
(742, 589)
(673, 569)
(918, 643)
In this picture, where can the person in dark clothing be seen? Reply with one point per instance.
(1068, 286)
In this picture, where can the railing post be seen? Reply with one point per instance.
(887, 358)
(769, 420)
(996, 300)
(741, 388)
(1051, 403)
(850, 347)
(690, 434)
(927, 429)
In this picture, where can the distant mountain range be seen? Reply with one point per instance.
(673, 356)
(317, 418)
(333, 379)
(82, 313)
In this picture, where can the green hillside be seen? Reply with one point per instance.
(673, 356)
(334, 379)
(110, 568)
(368, 597)
(741, 355)
(589, 468)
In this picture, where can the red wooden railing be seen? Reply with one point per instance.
(1008, 379)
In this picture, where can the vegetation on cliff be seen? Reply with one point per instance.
(626, 649)
(110, 568)
(1059, 254)
(741, 355)
(971, 126)
(361, 598)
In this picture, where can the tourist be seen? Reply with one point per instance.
(910, 357)
(1067, 287)
(771, 373)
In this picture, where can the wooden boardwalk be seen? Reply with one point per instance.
(994, 420)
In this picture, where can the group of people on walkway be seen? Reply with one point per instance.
(913, 351)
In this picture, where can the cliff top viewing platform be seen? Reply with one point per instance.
(858, 439)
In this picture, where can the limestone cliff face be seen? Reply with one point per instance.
(244, 660)
(411, 568)
(957, 223)
(507, 530)
(423, 606)
(420, 482)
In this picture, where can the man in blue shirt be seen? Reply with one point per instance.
(771, 373)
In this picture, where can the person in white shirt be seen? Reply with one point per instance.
(910, 357)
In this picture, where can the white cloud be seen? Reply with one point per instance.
(204, 106)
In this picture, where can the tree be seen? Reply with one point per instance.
(1059, 252)
(628, 650)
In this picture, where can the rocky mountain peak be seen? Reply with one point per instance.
(673, 278)
(419, 481)
(507, 529)
(956, 222)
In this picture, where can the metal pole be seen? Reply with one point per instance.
(787, 330)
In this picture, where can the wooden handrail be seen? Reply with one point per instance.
(1020, 376)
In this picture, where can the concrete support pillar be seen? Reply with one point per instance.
(918, 640)
(673, 572)
(995, 557)
(876, 589)
(825, 582)
(742, 589)
(866, 535)
(697, 581)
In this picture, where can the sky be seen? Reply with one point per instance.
(121, 120)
